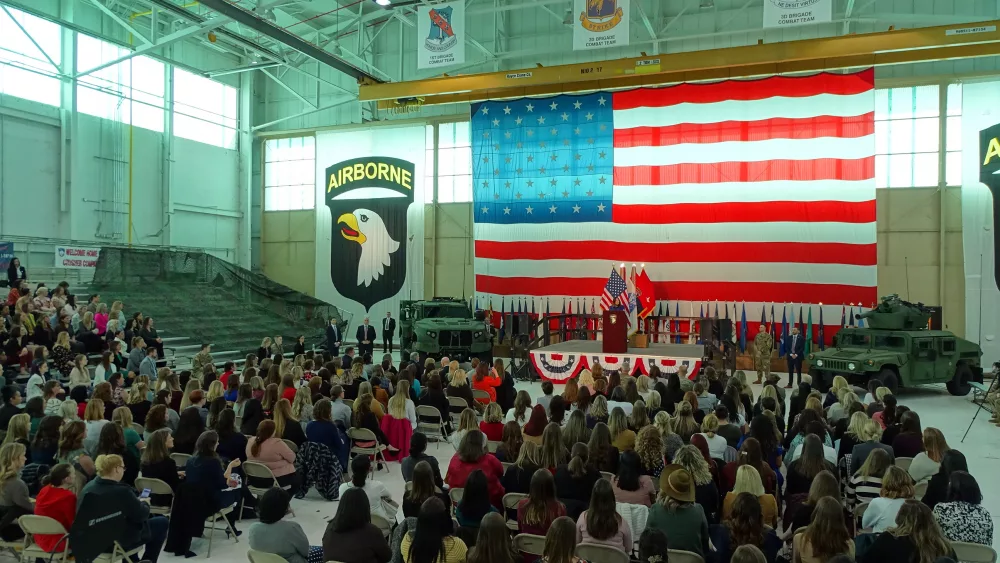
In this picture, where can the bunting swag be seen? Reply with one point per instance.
(757, 192)
(559, 367)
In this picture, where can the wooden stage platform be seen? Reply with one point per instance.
(565, 360)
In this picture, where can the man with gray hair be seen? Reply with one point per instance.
(366, 339)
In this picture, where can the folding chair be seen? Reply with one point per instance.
(180, 459)
(505, 465)
(974, 552)
(529, 543)
(34, 525)
(349, 402)
(595, 553)
(455, 495)
(118, 553)
(920, 489)
(681, 556)
(859, 514)
(260, 471)
(479, 394)
(376, 450)
(492, 446)
(138, 428)
(382, 524)
(904, 463)
(608, 475)
(510, 502)
(263, 557)
(433, 430)
(455, 407)
(210, 523)
(291, 445)
(156, 487)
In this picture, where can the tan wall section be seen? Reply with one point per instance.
(448, 250)
(288, 248)
(908, 223)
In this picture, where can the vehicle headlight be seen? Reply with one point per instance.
(851, 366)
(432, 333)
(477, 334)
(819, 363)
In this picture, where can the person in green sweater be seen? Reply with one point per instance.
(677, 515)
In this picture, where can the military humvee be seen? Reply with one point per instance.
(898, 349)
(443, 327)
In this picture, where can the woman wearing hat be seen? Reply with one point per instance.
(676, 514)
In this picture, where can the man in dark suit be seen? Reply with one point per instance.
(366, 338)
(796, 347)
(333, 337)
(348, 358)
(388, 330)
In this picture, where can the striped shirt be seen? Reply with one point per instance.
(862, 489)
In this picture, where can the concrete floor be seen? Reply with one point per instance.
(936, 407)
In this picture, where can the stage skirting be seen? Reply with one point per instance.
(558, 365)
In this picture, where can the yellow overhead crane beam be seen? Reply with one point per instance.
(891, 47)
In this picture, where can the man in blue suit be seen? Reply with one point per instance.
(796, 346)
(333, 337)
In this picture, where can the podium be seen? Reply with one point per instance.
(615, 332)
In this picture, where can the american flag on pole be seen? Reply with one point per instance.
(753, 191)
(616, 288)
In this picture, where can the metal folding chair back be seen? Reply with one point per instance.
(510, 502)
(595, 553)
(904, 463)
(263, 557)
(529, 543)
(681, 556)
(291, 445)
(33, 525)
(156, 487)
(180, 459)
(974, 552)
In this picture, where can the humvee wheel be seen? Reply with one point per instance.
(889, 379)
(959, 384)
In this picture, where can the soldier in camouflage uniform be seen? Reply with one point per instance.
(201, 359)
(763, 343)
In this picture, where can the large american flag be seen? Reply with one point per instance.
(737, 191)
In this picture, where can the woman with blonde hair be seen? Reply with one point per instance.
(133, 441)
(138, 402)
(521, 410)
(265, 348)
(576, 429)
(671, 440)
(586, 380)
(897, 487)
(705, 492)
(748, 481)
(916, 537)
(926, 463)
(215, 390)
(770, 391)
(192, 386)
(598, 412)
(492, 425)
(302, 406)
(286, 426)
(621, 437)
(466, 422)
(866, 484)
(18, 429)
(459, 386)
(717, 445)
(399, 421)
(644, 386)
(833, 395)
(842, 408)
(517, 477)
(14, 498)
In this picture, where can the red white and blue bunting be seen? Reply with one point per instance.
(559, 367)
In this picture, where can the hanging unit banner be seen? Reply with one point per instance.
(783, 13)
(440, 34)
(600, 23)
(370, 219)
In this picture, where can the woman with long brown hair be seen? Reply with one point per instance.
(521, 410)
(685, 425)
(576, 429)
(536, 513)
(554, 453)
(575, 480)
(601, 523)
(493, 543)
(603, 454)
(571, 391)
(802, 471)
(750, 454)
(826, 536)
(745, 525)
(561, 541)
(365, 418)
(915, 538)
(532, 431)
(286, 425)
(926, 463)
(269, 449)
(510, 444)
(421, 488)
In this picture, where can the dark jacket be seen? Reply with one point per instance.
(107, 511)
(294, 433)
(326, 433)
(333, 336)
(363, 334)
(576, 488)
(208, 474)
(253, 414)
(517, 480)
(437, 399)
(464, 392)
(165, 470)
(6, 413)
(888, 548)
(232, 446)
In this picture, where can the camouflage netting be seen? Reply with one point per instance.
(204, 297)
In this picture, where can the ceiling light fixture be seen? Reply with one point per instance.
(384, 3)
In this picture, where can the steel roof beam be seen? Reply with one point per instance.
(293, 41)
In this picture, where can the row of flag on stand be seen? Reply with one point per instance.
(665, 323)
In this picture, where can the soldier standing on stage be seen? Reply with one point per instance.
(763, 343)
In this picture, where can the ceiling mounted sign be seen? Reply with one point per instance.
(784, 13)
(600, 23)
(440, 35)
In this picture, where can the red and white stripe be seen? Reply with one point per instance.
(759, 191)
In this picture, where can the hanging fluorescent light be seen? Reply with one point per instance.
(383, 3)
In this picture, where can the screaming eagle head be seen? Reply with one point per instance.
(367, 229)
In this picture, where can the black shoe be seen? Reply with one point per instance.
(190, 554)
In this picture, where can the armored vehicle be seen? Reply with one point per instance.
(897, 347)
(443, 327)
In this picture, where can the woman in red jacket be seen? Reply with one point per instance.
(57, 501)
(471, 455)
(486, 381)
